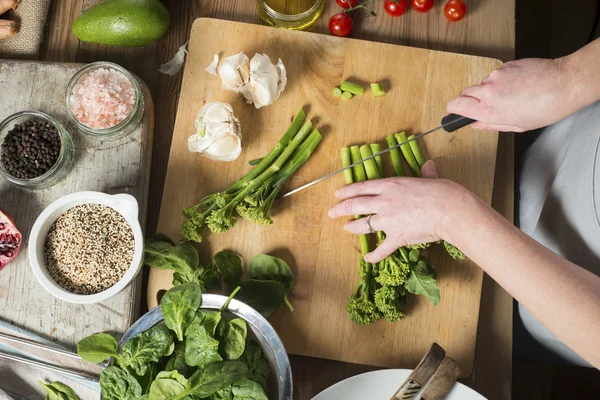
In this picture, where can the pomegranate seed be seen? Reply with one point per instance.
(2, 238)
(17, 238)
(1, 226)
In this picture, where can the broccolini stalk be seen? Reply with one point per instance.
(360, 306)
(376, 148)
(408, 154)
(395, 155)
(416, 150)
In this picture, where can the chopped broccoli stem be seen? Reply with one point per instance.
(370, 165)
(376, 148)
(408, 154)
(395, 155)
(337, 92)
(347, 161)
(377, 89)
(358, 170)
(352, 87)
(416, 150)
(346, 96)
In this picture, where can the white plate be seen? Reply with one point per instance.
(381, 385)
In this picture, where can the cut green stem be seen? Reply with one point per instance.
(416, 150)
(395, 155)
(346, 96)
(352, 87)
(358, 175)
(376, 148)
(377, 89)
(408, 154)
(337, 92)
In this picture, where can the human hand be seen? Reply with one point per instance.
(408, 210)
(522, 95)
(7, 28)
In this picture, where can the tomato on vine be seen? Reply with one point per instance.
(421, 6)
(455, 10)
(340, 24)
(395, 8)
(346, 3)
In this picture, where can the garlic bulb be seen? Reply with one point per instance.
(259, 80)
(218, 135)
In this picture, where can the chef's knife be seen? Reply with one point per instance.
(450, 123)
(421, 375)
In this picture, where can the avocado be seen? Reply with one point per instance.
(126, 23)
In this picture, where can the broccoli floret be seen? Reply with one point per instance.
(221, 220)
(257, 207)
(392, 271)
(421, 246)
(360, 306)
(454, 251)
(388, 300)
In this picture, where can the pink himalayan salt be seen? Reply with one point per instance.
(103, 98)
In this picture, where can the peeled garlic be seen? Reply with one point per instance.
(218, 135)
(259, 80)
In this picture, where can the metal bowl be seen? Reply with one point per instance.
(260, 330)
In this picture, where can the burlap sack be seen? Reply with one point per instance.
(26, 43)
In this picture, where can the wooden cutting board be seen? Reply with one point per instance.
(121, 166)
(323, 257)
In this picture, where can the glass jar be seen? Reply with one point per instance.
(125, 127)
(63, 163)
(294, 14)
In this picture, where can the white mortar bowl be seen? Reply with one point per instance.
(124, 204)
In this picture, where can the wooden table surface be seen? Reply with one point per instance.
(488, 30)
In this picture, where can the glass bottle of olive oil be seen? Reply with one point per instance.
(290, 14)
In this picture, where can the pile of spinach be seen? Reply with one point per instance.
(270, 282)
(196, 354)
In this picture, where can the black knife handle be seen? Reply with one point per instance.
(452, 122)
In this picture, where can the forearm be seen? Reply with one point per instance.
(582, 74)
(563, 296)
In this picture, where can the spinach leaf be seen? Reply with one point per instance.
(145, 397)
(97, 347)
(216, 376)
(257, 363)
(264, 296)
(233, 341)
(268, 268)
(206, 278)
(146, 348)
(160, 252)
(146, 380)
(207, 318)
(421, 280)
(179, 307)
(201, 348)
(167, 385)
(59, 391)
(176, 361)
(229, 265)
(118, 384)
(245, 389)
(223, 394)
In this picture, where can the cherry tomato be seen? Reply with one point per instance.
(340, 25)
(346, 3)
(421, 6)
(395, 8)
(455, 10)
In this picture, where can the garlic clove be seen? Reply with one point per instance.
(234, 71)
(227, 148)
(218, 134)
(282, 78)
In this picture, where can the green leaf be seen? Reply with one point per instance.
(176, 361)
(59, 391)
(146, 380)
(207, 318)
(146, 348)
(97, 348)
(216, 376)
(160, 252)
(223, 394)
(257, 363)
(201, 348)
(264, 296)
(421, 281)
(118, 384)
(233, 341)
(268, 268)
(245, 389)
(167, 385)
(179, 306)
(206, 278)
(229, 265)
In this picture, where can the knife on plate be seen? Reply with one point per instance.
(450, 123)
(421, 375)
(442, 381)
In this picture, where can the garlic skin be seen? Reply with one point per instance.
(259, 80)
(218, 134)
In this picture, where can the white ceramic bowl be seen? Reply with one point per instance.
(125, 204)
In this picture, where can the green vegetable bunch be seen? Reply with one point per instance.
(196, 354)
(253, 195)
(268, 286)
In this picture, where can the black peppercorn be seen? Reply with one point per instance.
(30, 149)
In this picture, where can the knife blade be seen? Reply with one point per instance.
(421, 375)
(449, 123)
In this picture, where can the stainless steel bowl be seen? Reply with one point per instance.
(261, 330)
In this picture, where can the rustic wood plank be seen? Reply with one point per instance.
(111, 167)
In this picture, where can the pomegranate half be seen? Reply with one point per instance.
(10, 240)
